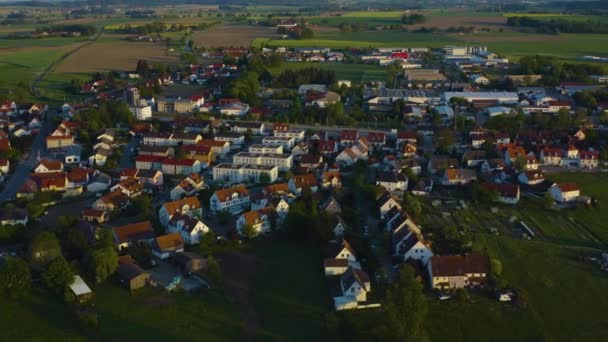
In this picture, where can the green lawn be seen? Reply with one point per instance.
(357, 73)
(43, 316)
(289, 291)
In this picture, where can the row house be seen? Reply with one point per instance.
(377, 139)
(283, 161)
(235, 139)
(260, 148)
(159, 139)
(348, 137)
(457, 271)
(287, 143)
(233, 200)
(257, 128)
(180, 166)
(220, 148)
(158, 151)
(204, 154)
(233, 174)
(147, 176)
(296, 134)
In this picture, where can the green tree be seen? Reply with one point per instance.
(58, 274)
(103, 263)
(496, 267)
(249, 231)
(207, 243)
(214, 271)
(15, 277)
(43, 248)
(264, 178)
(405, 309)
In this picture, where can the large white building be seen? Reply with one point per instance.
(296, 134)
(281, 160)
(234, 174)
(142, 112)
(287, 143)
(499, 96)
(259, 148)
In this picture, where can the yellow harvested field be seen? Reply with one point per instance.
(114, 56)
(228, 35)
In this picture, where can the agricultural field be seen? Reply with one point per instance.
(357, 73)
(23, 64)
(232, 35)
(104, 56)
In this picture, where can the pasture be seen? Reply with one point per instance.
(357, 73)
(232, 35)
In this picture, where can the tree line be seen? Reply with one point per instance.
(84, 30)
(556, 26)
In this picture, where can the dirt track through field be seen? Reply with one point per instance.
(238, 272)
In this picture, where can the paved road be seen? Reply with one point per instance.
(27, 164)
(126, 160)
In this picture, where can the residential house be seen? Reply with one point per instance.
(130, 274)
(189, 206)
(189, 186)
(565, 192)
(299, 182)
(131, 187)
(180, 166)
(531, 178)
(330, 206)
(385, 203)
(458, 177)
(234, 200)
(13, 216)
(457, 271)
(48, 166)
(95, 215)
(111, 201)
(133, 234)
(258, 220)
(331, 180)
(354, 286)
(410, 245)
(165, 246)
(190, 227)
(507, 193)
(392, 181)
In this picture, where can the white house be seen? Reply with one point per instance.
(234, 200)
(410, 245)
(565, 192)
(392, 181)
(189, 206)
(190, 228)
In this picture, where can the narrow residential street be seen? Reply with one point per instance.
(28, 162)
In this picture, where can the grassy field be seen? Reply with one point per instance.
(566, 298)
(357, 73)
(147, 315)
(364, 39)
(289, 292)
